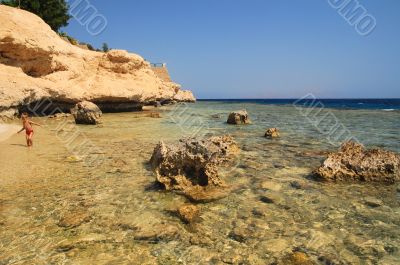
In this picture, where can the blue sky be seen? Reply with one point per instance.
(258, 48)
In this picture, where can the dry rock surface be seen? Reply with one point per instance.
(355, 163)
(190, 167)
(36, 63)
(86, 112)
(238, 117)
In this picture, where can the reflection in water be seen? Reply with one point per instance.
(57, 209)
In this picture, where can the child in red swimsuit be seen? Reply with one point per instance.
(27, 126)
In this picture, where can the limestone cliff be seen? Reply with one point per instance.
(35, 63)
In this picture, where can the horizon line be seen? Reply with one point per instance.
(291, 98)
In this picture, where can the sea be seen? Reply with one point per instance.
(87, 195)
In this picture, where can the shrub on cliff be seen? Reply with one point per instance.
(105, 47)
(53, 12)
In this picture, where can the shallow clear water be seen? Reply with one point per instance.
(98, 177)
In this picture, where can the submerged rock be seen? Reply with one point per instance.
(86, 112)
(238, 117)
(373, 202)
(189, 213)
(297, 258)
(355, 163)
(74, 219)
(191, 166)
(272, 133)
(156, 233)
(154, 115)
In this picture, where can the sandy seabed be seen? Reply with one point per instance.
(86, 195)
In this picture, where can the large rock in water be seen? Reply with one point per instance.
(86, 112)
(191, 166)
(238, 117)
(36, 64)
(355, 163)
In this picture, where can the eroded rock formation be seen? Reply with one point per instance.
(36, 63)
(355, 163)
(191, 166)
(238, 117)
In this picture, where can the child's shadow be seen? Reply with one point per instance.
(19, 145)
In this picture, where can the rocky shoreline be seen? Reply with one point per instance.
(38, 67)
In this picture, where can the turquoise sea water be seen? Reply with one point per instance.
(108, 196)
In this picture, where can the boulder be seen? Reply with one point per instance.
(189, 213)
(86, 112)
(272, 133)
(355, 163)
(190, 167)
(238, 117)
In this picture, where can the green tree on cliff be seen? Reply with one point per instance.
(105, 47)
(53, 12)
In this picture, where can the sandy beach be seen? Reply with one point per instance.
(7, 130)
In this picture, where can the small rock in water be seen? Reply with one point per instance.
(156, 233)
(216, 116)
(258, 212)
(373, 202)
(272, 133)
(297, 185)
(154, 115)
(239, 234)
(297, 258)
(398, 188)
(189, 213)
(238, 117)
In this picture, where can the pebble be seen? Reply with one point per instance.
(296, 185)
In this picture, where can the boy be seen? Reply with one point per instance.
(27, 126)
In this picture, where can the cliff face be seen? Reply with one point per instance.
(35, 63)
